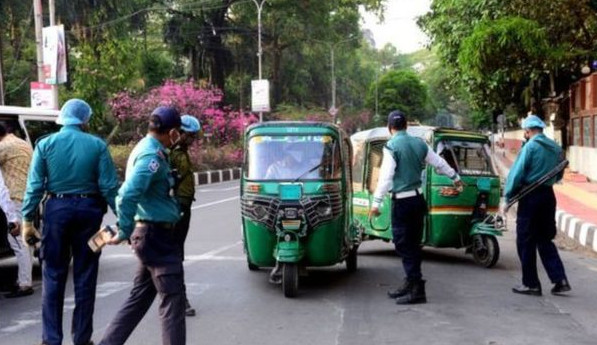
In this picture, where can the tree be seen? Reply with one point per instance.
(512, 51)
(401, 90)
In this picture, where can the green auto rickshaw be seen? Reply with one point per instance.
(466, 218)
(296, 200)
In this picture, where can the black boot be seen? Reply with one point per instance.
(401, 291)
(415, 295)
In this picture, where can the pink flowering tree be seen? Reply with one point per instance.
(222, 124)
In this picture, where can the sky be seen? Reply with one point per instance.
(399, 27)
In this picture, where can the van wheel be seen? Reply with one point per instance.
(352, 259)
(486, 250)
(290, 279)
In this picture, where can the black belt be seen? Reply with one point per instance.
(163, 225)
(74, 196)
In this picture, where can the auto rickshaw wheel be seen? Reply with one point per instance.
(486, 250)
(290, 279)
(351, 260)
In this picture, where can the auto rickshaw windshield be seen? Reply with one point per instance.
(291, 157)
(467, 157)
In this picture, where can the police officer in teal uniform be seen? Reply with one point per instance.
(74, 169)
(404, 158)
(147, 215)
(535, 222)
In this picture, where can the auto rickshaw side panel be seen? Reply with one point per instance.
(450, 212)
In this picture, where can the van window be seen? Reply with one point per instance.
(12, 126)
(37, 129)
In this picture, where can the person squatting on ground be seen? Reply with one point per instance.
(404, 158)
(185, 187)
(77, 173)
(147, 214)
(15, 157)
(535, 220)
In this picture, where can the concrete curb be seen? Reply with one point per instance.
(215, 176)
(583, 232)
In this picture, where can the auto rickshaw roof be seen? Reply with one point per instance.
(445, 133)
(293, 127)
(382, 133)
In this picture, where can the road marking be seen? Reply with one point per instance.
(211, 255)
(24, 320)
(214, 203)
(208, 256)
(219, 189)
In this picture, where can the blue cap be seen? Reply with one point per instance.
(190, 124)
(167, 118)
(532, 121)
(396, 119)
(74, 112)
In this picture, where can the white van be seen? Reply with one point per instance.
(28, 124)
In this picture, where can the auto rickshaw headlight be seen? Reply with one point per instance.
(291, 213)
(260, 212)
(324, 209)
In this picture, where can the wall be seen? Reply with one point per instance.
(583, 160)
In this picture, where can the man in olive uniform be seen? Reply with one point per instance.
(76, 172)
(185, 189)
(535, 221)
(147, 214)
(404, 158)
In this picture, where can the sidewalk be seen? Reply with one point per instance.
(577, 202)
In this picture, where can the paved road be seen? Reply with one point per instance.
(467, 304)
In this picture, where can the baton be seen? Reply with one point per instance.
(526, 190)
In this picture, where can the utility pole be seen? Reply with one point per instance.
(38, 19)
(52, 8)
(1, 73)
(333, 84)
(259, 49)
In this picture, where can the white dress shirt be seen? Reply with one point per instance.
(388, 167)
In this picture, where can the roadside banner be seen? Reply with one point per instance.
(260, 96)
(54, 54)
(42, 96)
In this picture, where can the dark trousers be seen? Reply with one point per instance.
(68, 225)
(408, 217)
(182, 227)
(535, 231)
(159, 273)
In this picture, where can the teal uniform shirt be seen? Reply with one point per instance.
(537, 157)
(70, 162)
(145, 194)
(409, 153)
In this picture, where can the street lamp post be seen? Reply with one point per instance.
(332, 46)
(259, 50)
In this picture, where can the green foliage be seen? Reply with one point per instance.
(100, 70)
(403, 90)
(505, 52)
(156, 67)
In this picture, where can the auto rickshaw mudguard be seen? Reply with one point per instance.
(481, 228)
(291, 251)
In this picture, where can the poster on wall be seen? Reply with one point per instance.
(54, 55)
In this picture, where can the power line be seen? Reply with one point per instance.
(188, 6)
